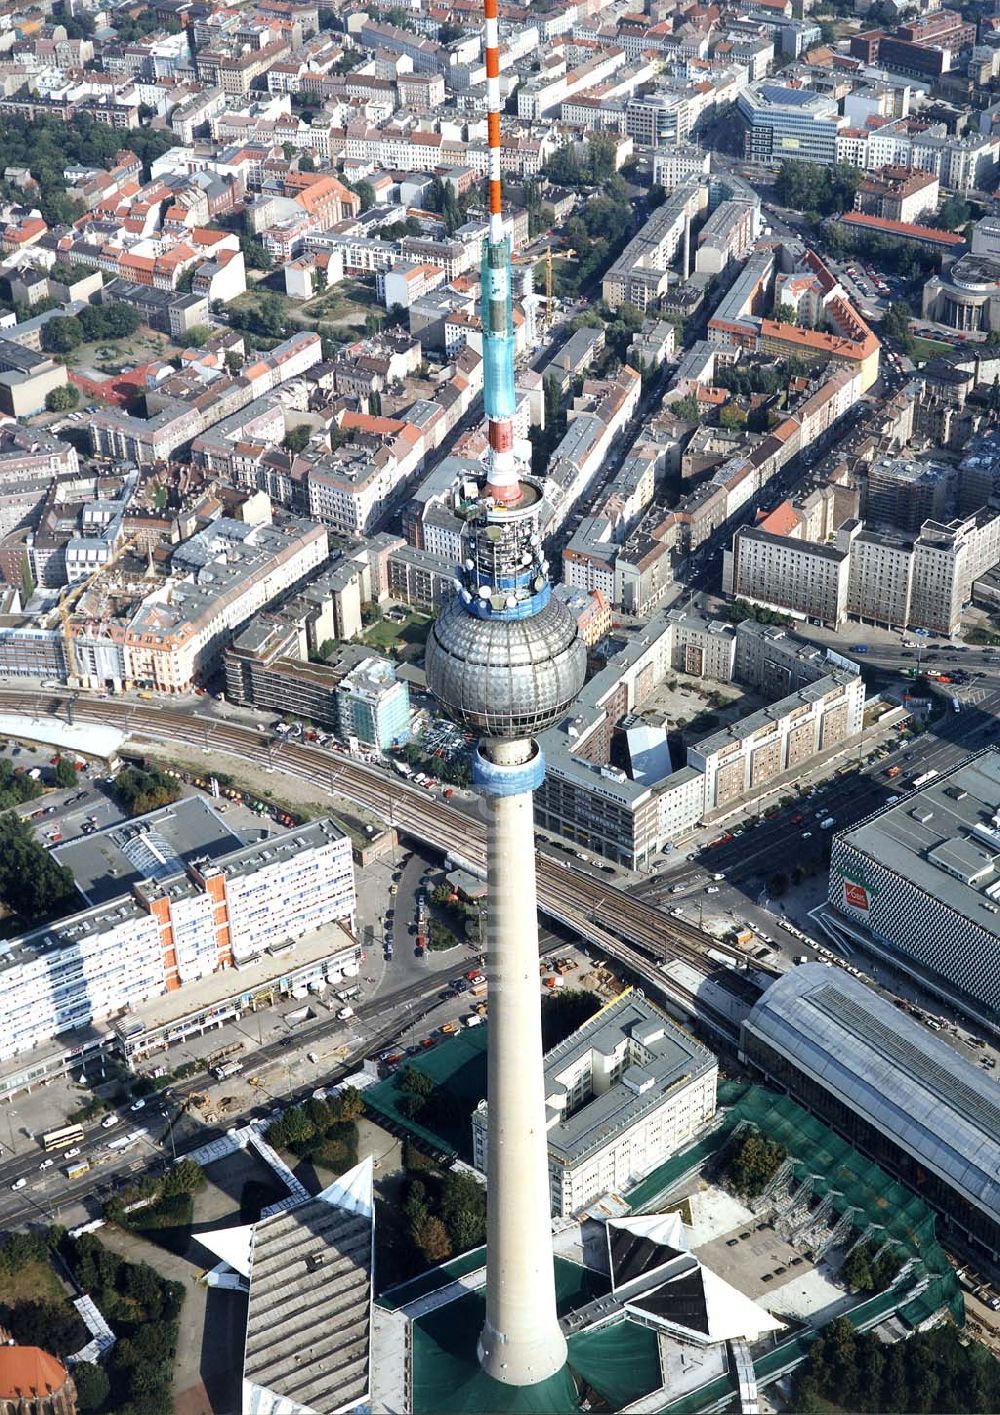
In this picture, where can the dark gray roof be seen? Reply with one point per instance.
(890, 1070)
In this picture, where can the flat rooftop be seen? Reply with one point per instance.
(945, 839)
(161, 843)
(308, 1341)
(649, 1055)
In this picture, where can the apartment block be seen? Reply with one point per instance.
(182, 920)
(623, 1093)
(220, 578)
(756, 750)
(779, 571)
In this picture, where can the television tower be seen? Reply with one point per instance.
(505, 660)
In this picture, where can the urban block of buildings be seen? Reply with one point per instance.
(183, 928)
(623, 1093)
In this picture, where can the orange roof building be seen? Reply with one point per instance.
(31, 1379)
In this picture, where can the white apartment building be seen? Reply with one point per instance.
(626, 1091)
(781, 572)
(166, 933)
(947, 557)
(881, 576)
(674, 165)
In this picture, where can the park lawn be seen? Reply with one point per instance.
(386, 635)
(924, 349)
(111, 356)
(34, 1282)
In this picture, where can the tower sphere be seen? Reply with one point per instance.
(505, 677)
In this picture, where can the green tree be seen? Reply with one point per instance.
(142, 789)
(685, 408)
(61, 400)
(374, 403)
(896, 325)
(27, 579)
(187, 1177)
(297, 438)
(198, 336)
(954, 213)
(117, 321)
(416, 1083)
(62, 334)
(463, 1210)
(55, 1326)
(65, 773)
(32, 884)
(255, 254)
(732, 416)
(365, 193)
(92, 1385)
(754, 1163)
(431, 1237)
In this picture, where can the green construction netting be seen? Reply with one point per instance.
(433, 1280)
(835, 1167)
(458, 1068)
(446, 1375)
(621, 1362)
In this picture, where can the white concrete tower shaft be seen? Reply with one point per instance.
(521, 1342)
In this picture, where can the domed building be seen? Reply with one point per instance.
(34, 1383)
(965, 296)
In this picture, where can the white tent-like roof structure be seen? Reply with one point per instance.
(656, 1277)
(309, 1270)
(233, 1246)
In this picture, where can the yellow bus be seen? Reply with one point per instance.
(62, 1139)
(76, 1169)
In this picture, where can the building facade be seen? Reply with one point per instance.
(623, 1093)
(918, 877)
(173, 931)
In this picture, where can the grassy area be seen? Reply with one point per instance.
(35, 1282)
(347, 302)
(389, 636)
(924, 349)
(344, 304)
(113, 355)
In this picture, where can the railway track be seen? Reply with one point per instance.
(634, 933)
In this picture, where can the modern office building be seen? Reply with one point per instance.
(373, 705)
(788, 123)
(176, 919)
(623, 1093)
(890, 1087)
(921, 878)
